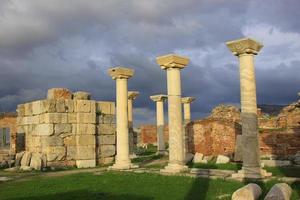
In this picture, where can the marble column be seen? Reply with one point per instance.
(173, 64)
(245, 49)
(159, 99)
(186, 101)
(131, 97)
(121, 75)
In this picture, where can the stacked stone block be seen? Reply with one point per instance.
(64, 127)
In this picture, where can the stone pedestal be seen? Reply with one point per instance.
(159, 99)
(131, 97)
(121, 75)
(245, 49)
(186, 101)
(173, 64)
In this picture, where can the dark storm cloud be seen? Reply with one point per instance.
(64, 43)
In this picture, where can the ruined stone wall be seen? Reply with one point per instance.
(69, 129)
(148, 134)
(8, 120)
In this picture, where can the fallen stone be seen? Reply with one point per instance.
(25, 168)
(280, 191)
(198, 157)
(249, 192)
(4, 179)
(26, 159)
(36, 161)
(19, 158)
(12, 169)
(222, 159)
(4, 164)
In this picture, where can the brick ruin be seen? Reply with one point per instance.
(68, 129)
(218, 133)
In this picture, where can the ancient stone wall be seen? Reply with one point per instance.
(69, 129)
(148, 134)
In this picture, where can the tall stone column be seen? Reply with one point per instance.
(186, 101)
(121, 75)
(159, 99)
(173, 64)
(245, 49)
(131, 97)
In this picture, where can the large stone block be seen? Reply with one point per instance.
(106, 139)
(48, 106)
(62, 128)
(86, 152)
(21, 110)
(107, 160)
(28, 109)
(106, 119)
(71, 152)
(72, 118)
(249, 192)
(54, 118)
(43, 129)
(55, 153)
(80, 95)
(19, 157)
(26, 159)
(86, 118)
(106, 129)
(47, 141)
(85, 140)
(83, 106)
(37, 108)
(70, 140)
(59, 93)
(30, 120)
(36, 161)
(60, 106)
(105, 107)
(107, 150)
(69, 105)
(86, 129)
(85, 163)
(280, 191)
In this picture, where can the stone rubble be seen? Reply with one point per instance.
(249, 192)
(280, 191)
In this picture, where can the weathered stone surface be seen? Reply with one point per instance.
(105, 107)
(19, 158)
(59, 93)
(55, 153)
(36, 161)
(36, 108)
(25, 161)
(28, 109)
(238, 154)
(12, 169)
(249, 192)
(86, 118)
(4, 164)
(21, 110)
(54, 118)
(25, 168)
(85, 140)
(222, 159)
(280, 191)
(198, 157)
(72, 151)
(80, 95)
(60, 106)
(86, 163)
(51, 141)
(106, 129)
(84, 129)
(106, 139)
(105, 119)
(107, 160)
(107, 150)
(43, 129)
(86, 152)
(72, 118)
(62, 128)
(48, 106)
(69, 105)
(83, 106)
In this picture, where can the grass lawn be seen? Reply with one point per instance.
(227, 166)
(123, 185)
(284, 171)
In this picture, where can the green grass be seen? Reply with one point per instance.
(284, 171)
(151, 149)
(146, 158)
(227, 166)
(122, 185)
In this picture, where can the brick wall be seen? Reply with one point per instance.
(148, 134)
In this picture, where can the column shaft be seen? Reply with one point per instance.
(187, 112)
(175, 117)
(160, 125)
(251, 154)
(122, 156)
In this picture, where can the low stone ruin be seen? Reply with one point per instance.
(67, 129)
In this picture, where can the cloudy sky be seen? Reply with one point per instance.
(72, 43)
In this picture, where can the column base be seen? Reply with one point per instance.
(251, 173)
(133, 155)
(118, 166)
(175, 168)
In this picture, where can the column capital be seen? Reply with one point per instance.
(159, 97)
(187, 99)
(133, 94)
(172, 61)
(244, 46)
(120, 72)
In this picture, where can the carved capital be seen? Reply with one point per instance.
(120, 72)
(187, 99)
(244, 46)
(133, 94)
(159, 97)
(172, 61)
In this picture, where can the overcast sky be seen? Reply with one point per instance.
(72, 43)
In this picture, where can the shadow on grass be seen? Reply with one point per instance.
(199, 189)
(84, 194)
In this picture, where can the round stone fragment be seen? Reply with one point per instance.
(82, 95)
(249, 192)
(280, 191)
(59, 93)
